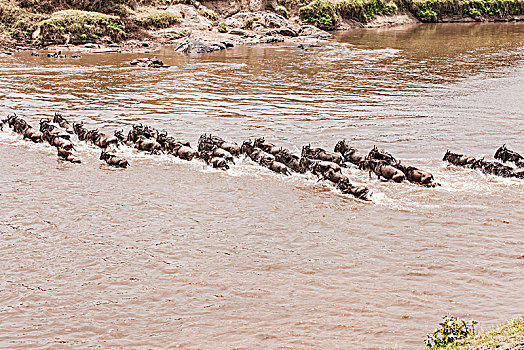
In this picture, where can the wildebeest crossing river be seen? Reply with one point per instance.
(173, 253)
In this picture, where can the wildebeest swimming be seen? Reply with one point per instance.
(384, 165)
(506, 155)
(381, 168)
(221, 154)
(486, 167)
(113, 160)
(21, 127)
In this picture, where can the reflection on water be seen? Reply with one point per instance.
(169, 253)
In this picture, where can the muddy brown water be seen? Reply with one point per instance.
(171, 254)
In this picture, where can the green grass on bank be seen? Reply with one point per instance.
(509, 336)
(328, 13)
(80, 21)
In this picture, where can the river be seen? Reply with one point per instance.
(172, 254)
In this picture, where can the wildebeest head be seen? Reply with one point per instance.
(306, 150)
(505, 155)
(119, 134)
(447, 155)
(341, 146)
(247, 147)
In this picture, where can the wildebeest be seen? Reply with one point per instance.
(346, 187)
(184, 152)
(58, 141)
(382, 169)
(255, 153)
(275, 166)
(506, 155)
(215, 162)
(141, 130)
(458, 159)
(80, 131)
(343, 184)
(292, 161)
(318, 167)
(419, 176)
(58, 119)
(148, 144)
(266, 146)
(209, 143)
(493, 168)
(321, 154)
(21, 127)
(66, 155)
(379, 154)
(100, 139)
(349, 153)
(113, 160)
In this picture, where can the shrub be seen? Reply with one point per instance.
(157, 19)
(222, 27)
(281, 10)
(248, 22)
(80, 26)
(321, 13)
(19, 23)
(210, 14)
(450, 330)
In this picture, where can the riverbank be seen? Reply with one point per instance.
(132, 26)
(509, 336)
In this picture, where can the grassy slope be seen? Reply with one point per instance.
(508, 336)
(328, 13)
(79, 21)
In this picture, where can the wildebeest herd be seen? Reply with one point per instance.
(219, 153)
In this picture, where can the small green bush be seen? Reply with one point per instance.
(321, 13)
(282, 10)
(222, 27)
(450, 330)
(80, 26)
(157, 19)
(210, 14)
(248, 22)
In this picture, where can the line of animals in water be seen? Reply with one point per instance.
(218, 153)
